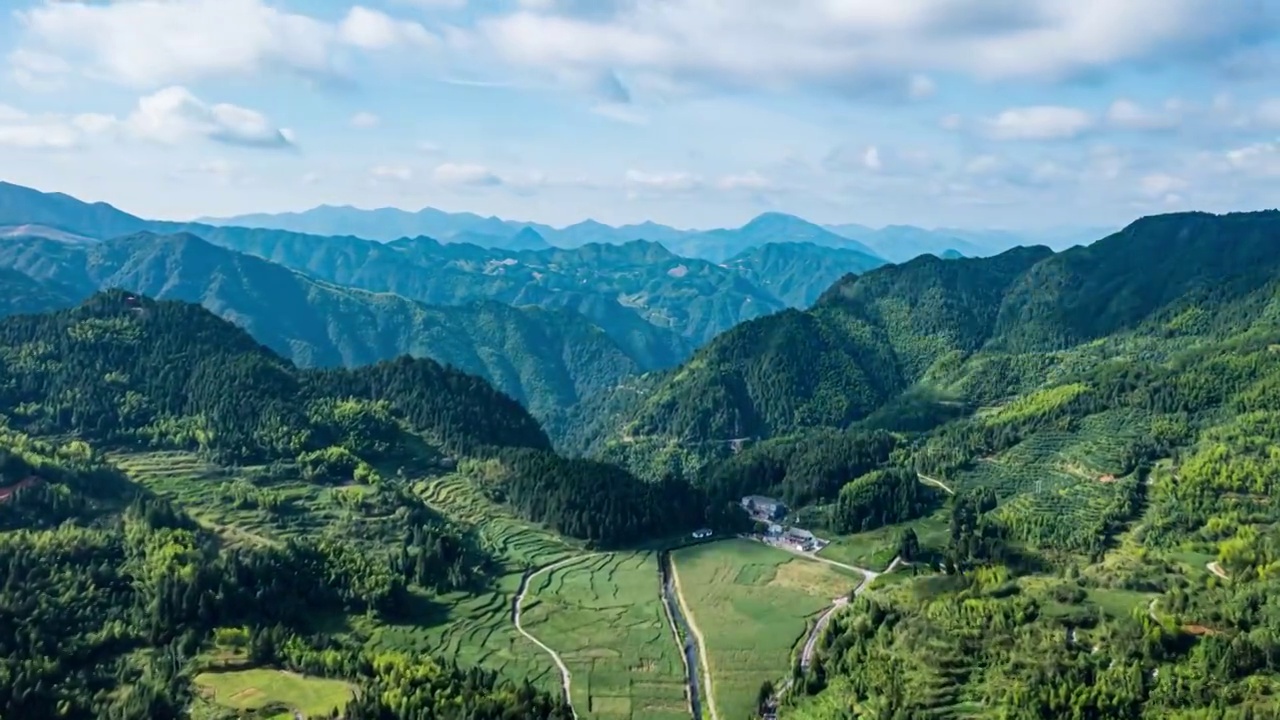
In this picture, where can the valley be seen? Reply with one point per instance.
(1038, 504)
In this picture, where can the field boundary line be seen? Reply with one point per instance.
(565, 677)
(709, 694)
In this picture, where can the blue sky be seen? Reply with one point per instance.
(696, 113)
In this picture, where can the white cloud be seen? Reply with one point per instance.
(175, 115)
(620, 112)
(662, 182)
(465, 174)
(862, 44)
(750, 180)
(951, 121)
(394, 173)
(1160, 185)
(1039, 122)
(921, 87)
(1268, 113)
(374, 30)
(19, 129)
(365, 120)
(1129, 115)
(436, 4)
(1259, 160)
(151, 43)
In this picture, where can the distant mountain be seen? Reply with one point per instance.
(798, 272)
(546, 359)
(772, 227)
(951, 254)
(900, 243)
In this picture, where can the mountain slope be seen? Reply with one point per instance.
(865, 340)
(978, 327)
(798, 273)
(21, 293)
(546, 359)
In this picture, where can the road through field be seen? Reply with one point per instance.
(689, 645)
(515, 618)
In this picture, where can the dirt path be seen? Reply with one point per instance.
(935, 482)
(515, 618)
(1216, 569)
(708, 690)
(685, 639)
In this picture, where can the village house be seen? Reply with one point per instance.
(763, 507)
(700, 534)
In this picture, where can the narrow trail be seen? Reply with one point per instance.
(676, 618)
(701, 642)
(515, 618)
(935, 482)
(1216, 569)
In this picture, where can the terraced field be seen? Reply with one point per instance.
(752, 604)
(477, 628)
(265, 690)
(1057, 487)
(604, 616)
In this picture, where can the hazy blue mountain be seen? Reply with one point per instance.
(798, 272)
(772, 227)
(900, 243)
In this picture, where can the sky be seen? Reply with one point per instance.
(694, 113)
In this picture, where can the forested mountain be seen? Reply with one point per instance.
(681, 302)
(866, 340)
(21, 293)
(797, 273)
(870, 337)
(547, 359)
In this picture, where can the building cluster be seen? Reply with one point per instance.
(770, 511)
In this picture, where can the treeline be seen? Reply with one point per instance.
(806, 468)
(882, 497)
(125, 369)
(602, 502)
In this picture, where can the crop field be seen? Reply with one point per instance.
(476, 628)
(603, 614)
(199, 487)
(259, 688)
(752, 604)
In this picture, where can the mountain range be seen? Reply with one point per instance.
(895, 243)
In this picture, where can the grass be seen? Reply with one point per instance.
(604, 616)
(875, 549)
(752, 603)
(260, 687)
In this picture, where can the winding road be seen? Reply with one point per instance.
(515, 618)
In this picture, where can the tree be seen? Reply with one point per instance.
(908, 545)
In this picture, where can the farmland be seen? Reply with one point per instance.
(603, 615)
(752, 604)
(273, 690)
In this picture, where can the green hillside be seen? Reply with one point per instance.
(547, 359)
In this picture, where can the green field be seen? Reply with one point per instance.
(604, 616)
(259, 688)
(875, 549)
(752, 603)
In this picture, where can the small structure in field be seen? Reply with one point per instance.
(703, 533)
